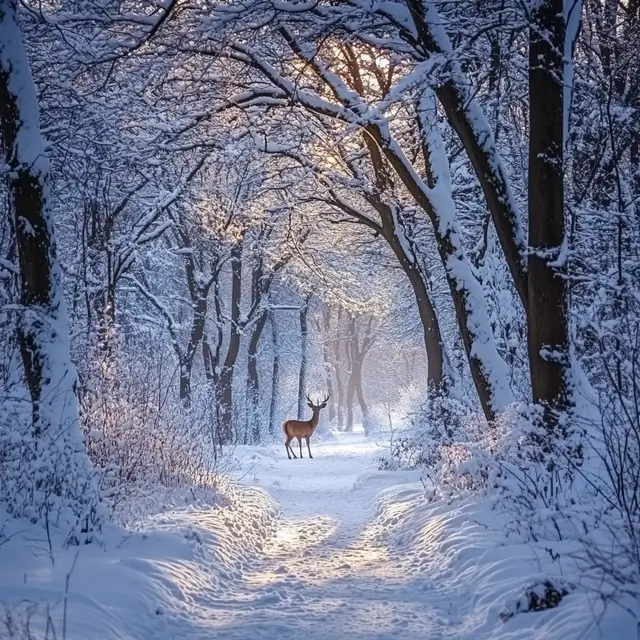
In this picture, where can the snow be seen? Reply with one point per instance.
(52, 453)
(563, 255)
(399, 230)
(573, 17)
(322, 548)
(29, 147)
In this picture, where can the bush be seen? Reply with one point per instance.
(537, 596)
(437, 425)
(143, 440)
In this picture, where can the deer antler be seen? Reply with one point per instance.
(317, 404)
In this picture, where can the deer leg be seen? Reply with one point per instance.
(300, 443)
(287, 446)
(308, 447)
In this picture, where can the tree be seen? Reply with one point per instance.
(548, 337)
(258, 315)
(487, 367)
(358, 346)
(61, 470)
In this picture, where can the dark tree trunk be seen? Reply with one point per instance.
(352, 357)
(224, 388)
(273, 403)
(106, 321)
(40, 292)
(302, 375)
(199, 300)
(211, 359)
(393, 230)
(357, 352)
(361, 399)
(325, 329)
(482, 153)
(329, 382)
(547, 308)
(351, 389)
(338, 368)
(55, 442)
(207, 359)
(339, 385)
(185, 383)
(359, 391)
(253, 382)
(465, 290)
(426, 311)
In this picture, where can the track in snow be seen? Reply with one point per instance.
(326, 573)
(328, 566)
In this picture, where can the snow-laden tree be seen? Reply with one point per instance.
(48, 477)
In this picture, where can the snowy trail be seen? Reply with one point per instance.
(320, 549)
(326, 573)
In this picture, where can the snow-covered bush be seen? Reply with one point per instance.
(575, 490)
(145, 443)
(35, 479)
(433, 429)
(537, 596)
(609, 529)
(27, 621)
(44, 477)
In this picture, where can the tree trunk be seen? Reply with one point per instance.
(195, 337)
(59, 461)
(352, 358)
(273, 403)
(467, 119)
(426, 311)
(359, 390)
(339, 381)
(302, 376)
(253, 382)
(361, 399)
(357, 353)
(547, 309)
(351, 389)
(487, 367)
(326, 357)
(185, 383)
(224, 388)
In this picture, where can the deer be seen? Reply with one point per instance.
(303, 428)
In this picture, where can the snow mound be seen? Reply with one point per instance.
(475, 577)
(139, 586)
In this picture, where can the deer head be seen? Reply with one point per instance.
(316, 407)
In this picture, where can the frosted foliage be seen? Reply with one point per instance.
(255, 201)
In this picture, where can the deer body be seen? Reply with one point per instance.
(302, 428)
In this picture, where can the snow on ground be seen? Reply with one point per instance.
(315, 549)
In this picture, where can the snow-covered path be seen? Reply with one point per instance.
(320, 549)
(324, 570)
(357, 553)
(325, 573)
